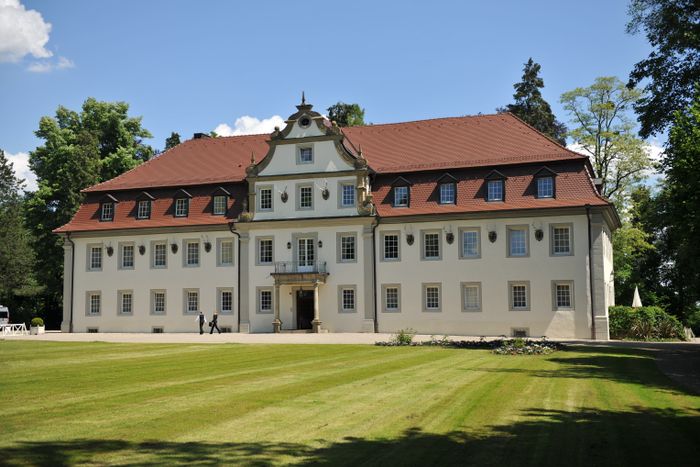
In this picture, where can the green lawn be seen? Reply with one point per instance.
(98, 403)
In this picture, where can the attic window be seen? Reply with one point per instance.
(182, 207)
(401, 196)
(143, 211)
(448, 193)
(545, 187)
(107, 211)
(306, 155)
(305, 122)
(219, 205)
(495, 190)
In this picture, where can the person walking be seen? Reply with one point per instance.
(213, 324)
(202, 321)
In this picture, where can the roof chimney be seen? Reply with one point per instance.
(200, 135)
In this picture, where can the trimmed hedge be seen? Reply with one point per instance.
(644, 323)
(37, 322)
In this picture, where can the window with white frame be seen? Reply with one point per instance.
(390, 246)
(192, 253)
(182, 207)
(225, 301)
(391, 298)
(265, 251)
(158, 302)
(191, 301)
(226, 252)
(126, 302)
(306, 197)
(306, 155)
(562, 292)
(347, 195)
(471, 296)
(347, 248)
(495, 190)
(431, 245)
(448, 193)
(143, 210)
(160, 255)
(127, 256)
(400, 196)
(561, 240)
(220, 205)
(94, 303)
(107, 211)
(264, 300)
(265, 202)
(95, 259)
(431, 297)
(347, 299)
(545, 187)
(517, 241)
(519, 296)
(471, 243)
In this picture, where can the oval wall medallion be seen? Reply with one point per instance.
(325, 193)
(110, 251)
(409, 239)
(142, 250)
(492, 236)
(284, 196)
(450, 237)
(173, 247)
(539, 235)
(207, 246)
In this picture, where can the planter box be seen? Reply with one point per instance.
(36, 330)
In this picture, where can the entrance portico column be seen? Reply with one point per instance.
(276, 323)
(317, 315)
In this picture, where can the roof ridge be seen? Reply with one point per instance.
(458, 117)
(543, 134)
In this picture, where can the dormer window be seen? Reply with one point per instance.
(182, 207)
(401, 195)
(107, 211)
(306, 155)
(448, 193)
(495, 186)
(544, 183)
(220, 205)
(143, 210)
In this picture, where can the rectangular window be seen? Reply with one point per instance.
(519, 295)
(225, 301)
(265, 251)
(225, 252)
(470, 239)
(192, 301)
(346, 298)
(220, 205)
(94, 303)
(347, 195)
(495, 190)
(158, 302)
(562, 295)
(160, 254)
(306, 197)
(448, 193)
(126, 302)
(192, 253)
(264, 300)
(471, 296)
(127, 256)
(390, 246)
(265, 203)
(95, 258)
(144, 209)
(517, 241)
(107, 212)
(182, 207)
(392, 298)
(347, 248)
(431, 297)
(545, 187)
(431, 245)
(400, 196)
(306, 155)
(561, 240)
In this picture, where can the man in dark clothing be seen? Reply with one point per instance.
(213, 324)
(202, 321)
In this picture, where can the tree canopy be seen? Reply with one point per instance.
(672, 27)
(172, 140)
(346, 114)
(531, 107)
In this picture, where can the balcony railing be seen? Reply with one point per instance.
(296, 267)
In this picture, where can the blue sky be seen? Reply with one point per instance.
(192, 66)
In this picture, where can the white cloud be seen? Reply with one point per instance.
(22, 32)
(20, 163)
(247, 125)
(45, 66)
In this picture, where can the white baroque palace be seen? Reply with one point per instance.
(472, 225)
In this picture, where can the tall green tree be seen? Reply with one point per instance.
(605, 130)
(79, 150)
(531, 107)
(346, 114)
(17, 283)
(672, 69)
(172, 140)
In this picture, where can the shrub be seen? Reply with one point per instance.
(644, 323)
(403, 337)
(37, 322)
